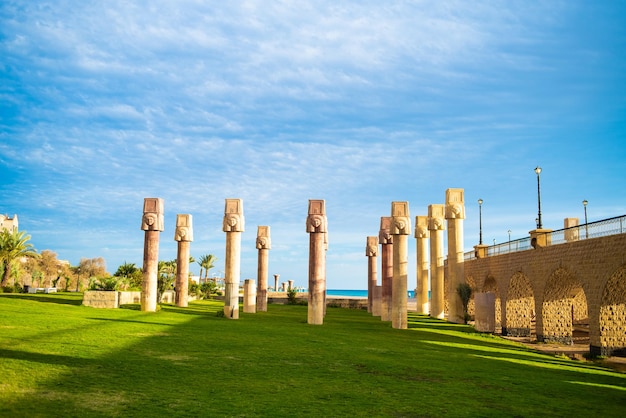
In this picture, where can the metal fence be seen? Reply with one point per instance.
(603, 228)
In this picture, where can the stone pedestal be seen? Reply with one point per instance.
(249, 296)
(400, 230)
(480, 250)
(436, 227)
(571, 233)
(152, 223)
(485, 312)
(263, 244)
(386, 270)
(233, 226)
(455, 213)
(540, 238)
(316, 226)
(421, 248)
(371, 251)
(184, 236)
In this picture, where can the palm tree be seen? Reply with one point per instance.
(13, 246)
(207, 262)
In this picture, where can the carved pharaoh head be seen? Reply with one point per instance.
(400, 220)
(371, 249)
(455, 204)
(263, 241)
(184, 228)
(233, 216)
(436, 217)
(152, 219)
(316, 221)
(384, 234)
(421, 227)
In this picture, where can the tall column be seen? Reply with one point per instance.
(263, 244)
(371, 251)
(421, 290)
(386, 266)
(184, 236)
(316, 226)
(249, 296)
(152, 222)
(276, 277)
(436, 226)
(455, 213)
(233, 226)
(400, 229)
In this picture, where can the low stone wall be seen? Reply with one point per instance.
(128, 297)
(101, 299)
(280, 298)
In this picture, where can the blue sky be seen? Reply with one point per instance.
(359, 103)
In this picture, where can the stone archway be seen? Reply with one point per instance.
(491, 285)
(613, 316)
(520, 307)
(564, 306)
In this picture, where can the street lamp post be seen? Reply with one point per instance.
(509, 240)
(538, 171)
(480, 221)
(586, 227)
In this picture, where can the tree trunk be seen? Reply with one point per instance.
(6, 274)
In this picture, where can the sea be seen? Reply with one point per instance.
(356, 293)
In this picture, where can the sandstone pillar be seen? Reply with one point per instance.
(436, 227)
(316, 226)
(276, 277)
(400, 230)
(371, 251)
(421, 290)
(249, 296)
(184, 236)
(289, 284)
(376, 308)
(455, 213)
(263, 244)
(233, 226)
(386, 267)
(571, 233)
(152, 223)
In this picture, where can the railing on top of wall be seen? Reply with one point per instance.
(605, 227)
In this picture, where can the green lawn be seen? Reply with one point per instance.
(58, 358)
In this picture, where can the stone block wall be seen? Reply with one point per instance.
(565, 281)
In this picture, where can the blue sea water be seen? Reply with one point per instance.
(355, 292)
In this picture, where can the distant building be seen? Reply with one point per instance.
(8, 223)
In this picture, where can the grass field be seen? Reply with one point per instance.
(58, 358)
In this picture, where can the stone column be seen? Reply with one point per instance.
(289, 284)
(249, 296)
(378, 293)
(421, 290)
(276, 277)
(233, 226)
(371, 251)
(400, 230)
(316, 226)
(436, 226)
(455, 213)
(184, 236)
(152, 222)
(386, 267)
(263, 244)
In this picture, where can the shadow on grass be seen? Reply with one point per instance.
(60, 298)
(52, 359)
(273, 365)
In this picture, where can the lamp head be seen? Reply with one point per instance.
(538, 170)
